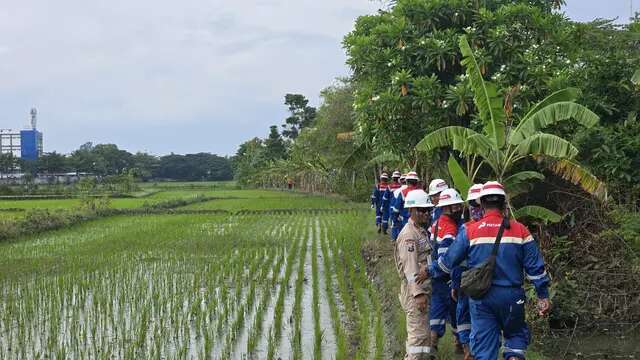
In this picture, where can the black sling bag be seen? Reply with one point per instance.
(477, 281)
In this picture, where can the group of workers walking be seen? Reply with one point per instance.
(437, 249)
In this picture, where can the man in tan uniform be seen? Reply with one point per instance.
(412, 253)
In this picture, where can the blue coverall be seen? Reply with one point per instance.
(501, 310)
(387, 198)
(376, 200)
(442, 307)
(400, 214)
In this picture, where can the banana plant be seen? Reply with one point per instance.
(500, 146)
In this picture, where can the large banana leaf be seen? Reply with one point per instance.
(548, 145)
(385, 158)
(485, 96)
(578, 175)
(567, 94)
(636, 77)
(358, 153)
(459, 138)
(520, 183)
(551, 114)
(460, 179)
(537, 212)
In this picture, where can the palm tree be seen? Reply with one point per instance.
(501, 144)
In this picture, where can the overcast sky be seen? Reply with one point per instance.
(176, 76)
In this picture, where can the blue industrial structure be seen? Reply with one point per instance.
(25, 144)
(30, 144)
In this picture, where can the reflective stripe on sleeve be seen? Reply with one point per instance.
(443, 267)
(536, 277)
(437, 322)
(442, 250)
(463, 327)
(418, 349)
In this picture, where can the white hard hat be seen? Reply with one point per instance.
(492, 188)
(412, 175)
(384, 176)
(403, 176)
(437, 186)
(474, 192)
(449, 197)
(417, 199)
(396, 174)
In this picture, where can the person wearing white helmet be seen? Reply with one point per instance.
(386, 199)
(443, 232)
(376, 198)
(473, 200)
(396, 224)
(499, 312)
(436, 186)
(400, 213)
(412, 252)
(463, 318)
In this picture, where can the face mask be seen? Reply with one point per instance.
(476, 212)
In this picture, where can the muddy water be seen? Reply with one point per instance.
(328, 334)
(594, 347)
(307, 301)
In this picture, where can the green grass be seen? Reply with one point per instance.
(200, 286)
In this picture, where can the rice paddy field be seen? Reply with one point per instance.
(241, 285)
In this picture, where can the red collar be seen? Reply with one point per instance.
(446, 219)
(493, 213)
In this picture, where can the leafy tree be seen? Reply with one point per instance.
(7, 163)
(144, 164)
(53, 162)
(502, 144)
(301, 115)
(275, 147)
(249, 159)
(113, 161)
(191, 167)
(406, 67)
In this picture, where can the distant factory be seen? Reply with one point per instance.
(24, 144)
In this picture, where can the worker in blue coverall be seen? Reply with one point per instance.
(387, 196)
(463, 317)
(500, 312)
(400, 214)
(376, 199)
(443, 232)
(396, 225)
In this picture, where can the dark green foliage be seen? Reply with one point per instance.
(201, 166)
(275, 147)
(302, 115)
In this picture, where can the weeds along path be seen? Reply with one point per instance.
(268, 285)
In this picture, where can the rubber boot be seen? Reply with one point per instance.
(457, 346)
(379, 229)
(467, 352)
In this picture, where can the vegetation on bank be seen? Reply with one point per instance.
(111, 164)
(545, 104)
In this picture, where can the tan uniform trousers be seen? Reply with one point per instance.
(417, 325)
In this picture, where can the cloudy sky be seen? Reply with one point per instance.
(176, 76)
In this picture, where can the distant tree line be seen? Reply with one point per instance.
(109, 160)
